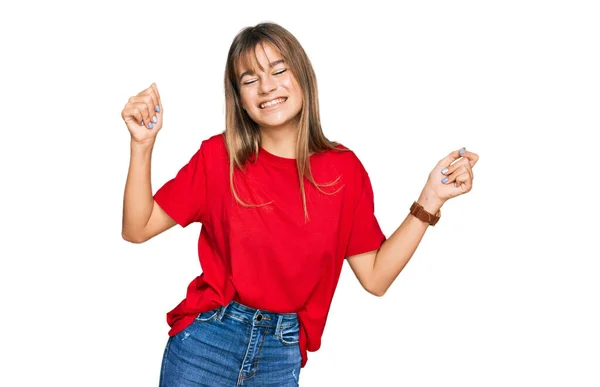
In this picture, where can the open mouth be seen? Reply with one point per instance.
(272, 104)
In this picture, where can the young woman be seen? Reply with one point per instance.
(281, 208)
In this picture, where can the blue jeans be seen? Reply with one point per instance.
(234, 345)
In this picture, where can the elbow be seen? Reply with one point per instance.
(375, 292)
(375, 288)
(137, 239)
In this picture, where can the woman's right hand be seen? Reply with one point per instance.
(143, 115)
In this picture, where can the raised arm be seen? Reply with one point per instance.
(142, 217)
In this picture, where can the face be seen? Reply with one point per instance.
(272, 98)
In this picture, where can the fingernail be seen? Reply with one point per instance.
(462, 151)
(150, 125)
(142, 123)
(444, 171)
(445, 180)
(154, 119)
(157, 108)
(455, 184)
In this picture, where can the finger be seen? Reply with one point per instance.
(465, 164)
(151, 107)
(459, 171)
(459, 167)
(146, 98)
(153, 102)
(446, 161)
(131, 113)
(471, 156)
(455, 182)
(464, 182)
(160, 107)
(450, 169)
(143, 108)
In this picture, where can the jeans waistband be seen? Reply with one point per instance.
(257, 317)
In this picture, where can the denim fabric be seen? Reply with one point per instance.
(234, 345)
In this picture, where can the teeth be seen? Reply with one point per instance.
(271, 103)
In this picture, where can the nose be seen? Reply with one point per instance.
(267, 85)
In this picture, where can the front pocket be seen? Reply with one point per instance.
(209, 315)
(289, 335)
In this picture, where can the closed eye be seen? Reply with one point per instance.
(277, 73)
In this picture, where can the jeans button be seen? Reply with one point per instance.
(259, 317)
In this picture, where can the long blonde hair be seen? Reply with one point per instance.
(242, 134)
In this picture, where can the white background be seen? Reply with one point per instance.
(503, 291)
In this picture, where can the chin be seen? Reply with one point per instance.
(277, 122)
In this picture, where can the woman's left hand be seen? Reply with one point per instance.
(447, 181)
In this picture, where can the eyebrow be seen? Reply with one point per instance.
(273, 64)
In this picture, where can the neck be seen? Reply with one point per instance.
(279, 141)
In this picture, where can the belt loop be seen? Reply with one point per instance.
(222, 312)
(278, 326)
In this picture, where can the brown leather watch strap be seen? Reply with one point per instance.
(419, 212)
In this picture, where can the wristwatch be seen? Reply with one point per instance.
(419, 212)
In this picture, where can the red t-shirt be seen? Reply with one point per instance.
(268, 257)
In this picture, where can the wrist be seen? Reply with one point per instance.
(147, 145)
(430, 202)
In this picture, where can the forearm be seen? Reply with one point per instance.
(397, 250)
(138, 200)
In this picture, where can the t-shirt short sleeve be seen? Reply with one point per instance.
(365, 234)
(184, 197)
